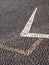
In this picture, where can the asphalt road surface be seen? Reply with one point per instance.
(14, 15)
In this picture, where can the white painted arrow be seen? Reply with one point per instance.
(29, 23)
(25, 31)
(36, 35)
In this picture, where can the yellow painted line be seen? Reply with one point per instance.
(27, 52)
(34, 46)
(11, 49)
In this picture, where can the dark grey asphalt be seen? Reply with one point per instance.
(14, 14)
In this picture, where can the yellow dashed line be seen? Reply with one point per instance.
(28, 52)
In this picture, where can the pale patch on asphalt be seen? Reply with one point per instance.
(25, 31)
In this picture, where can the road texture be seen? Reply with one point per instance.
(14, 15)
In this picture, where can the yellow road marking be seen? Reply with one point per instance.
(11, 49)
(34, 45)
(27, 52)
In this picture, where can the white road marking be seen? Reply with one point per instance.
(29, 23)
(36, 35)
(25, 31)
